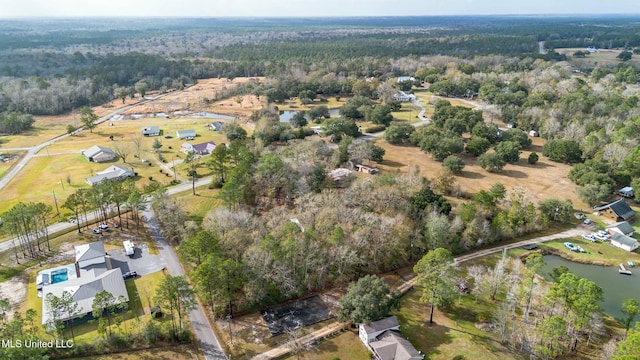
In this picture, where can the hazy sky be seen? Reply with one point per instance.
(213, 8)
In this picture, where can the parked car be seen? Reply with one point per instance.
(129, 275)
(587, 221)
(589, 237)
(103, 226)
(570, 246)
(602, 237)
(168, 136)
(96, 230)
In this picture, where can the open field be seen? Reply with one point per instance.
(345, 345)
(546, 179)
(603, 57)
(173, 352)
(198, 206)
(598, 253)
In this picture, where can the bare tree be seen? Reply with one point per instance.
(122, 150)
(137, 143)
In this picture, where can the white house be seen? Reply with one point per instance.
(151, 131)
(404, 97)
(406, 78)
(624, 242)
(186, 134)
(386, 342)
(94, 275)
(113, 172)
(623, 228)
(98, 154)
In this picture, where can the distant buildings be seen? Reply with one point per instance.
(404, 97)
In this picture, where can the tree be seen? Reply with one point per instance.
(556, 210)
(175, 295)
(629, 348)
(136, 140)
(367, 300)
(533, 158)
(219, 163)
(196, 248)
(103, 302)
(631, 308)
(121, 93)
(509, 151)
(88, 118)
(234, 131)
(338, 127)
(70, 129)
(491, 162)
(435, 274)
(423, 199)
(593, 194)
(317, 112)
(298, 120)
(625, 55)
(142, 87)
(477, 145)
(398, 133)
(453, 163)
(376, 153)
(552, 330)
(567, 151)
(533, 263)
(122, 149)
(157, 144)
(318, 177)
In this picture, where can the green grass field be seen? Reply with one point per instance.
(345, 345)
(602, 57)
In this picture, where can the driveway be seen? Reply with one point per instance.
(141, 262)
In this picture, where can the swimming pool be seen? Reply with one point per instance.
(59, 276)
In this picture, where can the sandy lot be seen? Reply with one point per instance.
(546, 179)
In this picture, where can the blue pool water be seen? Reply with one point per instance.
(59, 276)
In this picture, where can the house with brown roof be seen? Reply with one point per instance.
(386, 342)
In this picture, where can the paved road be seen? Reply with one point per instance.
(423, 121)
(206, 338)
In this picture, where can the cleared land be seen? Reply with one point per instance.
(602, 57)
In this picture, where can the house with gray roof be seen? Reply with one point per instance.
(624, 242)
(186, 134)
(113, 172)
(94, 275)
(386, 342)
(151, 131)
(622, 227)
(98, 154)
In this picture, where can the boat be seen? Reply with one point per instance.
(630, 263)
(623, 270)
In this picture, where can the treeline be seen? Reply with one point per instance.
(15, 123)
(288, 228)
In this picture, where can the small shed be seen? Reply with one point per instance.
(624, 242)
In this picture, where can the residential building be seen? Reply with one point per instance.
(186, 134)
(623, 228)
(151, 131)
(406, 78)
(624, 242)
(113, 172)
(215, 126)
(404, 97)
(386, 342)
(94, 274)
(200, 149)
(98, 154)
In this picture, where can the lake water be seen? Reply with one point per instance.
(616, 287)
(286, 115)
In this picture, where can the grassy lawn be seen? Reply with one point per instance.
(330, 103)
(198, 206)
(408, 112)
(603, 57)
(609, 255)
(346, 346)
(451, 334)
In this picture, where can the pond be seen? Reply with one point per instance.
(286, 115)
(616, 287)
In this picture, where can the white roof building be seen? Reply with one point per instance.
(186, 134)
(98, 154)
(113, 172)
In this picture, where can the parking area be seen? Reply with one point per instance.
(141, 262)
